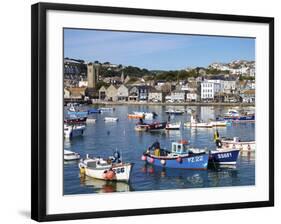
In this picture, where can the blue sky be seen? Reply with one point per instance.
(155, 51)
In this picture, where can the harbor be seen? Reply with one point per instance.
(111, 130)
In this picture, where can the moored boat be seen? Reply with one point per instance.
(180, 156)
(136, 116)
(174, 112)
(70, 155)
(146, 115)
(173, 126)
(111, 119)
(71, 131)
(157, 126)
(94, 111)
(235, 142)
(141, 127)
(235, 116)
(106, 109)
(75, 120)
(91, 120)
(224, 156)
(111, 169)
(195, 123)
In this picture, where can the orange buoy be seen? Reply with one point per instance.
(110, 175)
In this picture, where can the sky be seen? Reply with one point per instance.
(155, 51)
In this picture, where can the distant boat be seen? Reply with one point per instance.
(75, 120)
(136, 116)
(70, 155)
(180, 156)
(146, 115)
(235, 142)
(141, 127)
(111, 169)
(106, 109)
(72, 111)
(156, 126)
(71, 131)
(94, 111)
(111, 119)
(194, 123)
(235, 116)
(175, 112)
(91, 120)
(173, 126)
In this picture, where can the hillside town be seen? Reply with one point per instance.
(96, 82)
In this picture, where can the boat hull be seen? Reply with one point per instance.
(250, 118)
(192, 162)
(122, 172)
(78, 113)
(157, 126)
(224, 156)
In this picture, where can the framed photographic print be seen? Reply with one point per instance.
(139, 111)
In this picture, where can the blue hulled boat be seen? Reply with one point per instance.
(224, 156)
(94, 111)
(180, 157)
(235, 116)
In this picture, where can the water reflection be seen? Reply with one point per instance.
(101, 186)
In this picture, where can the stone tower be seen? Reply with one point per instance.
(91, 75)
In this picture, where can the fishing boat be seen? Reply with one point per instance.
(111, 119)
(94, 111)
(72, 111)
(157, 126)
(180, 156)
(235, 116)
(195, 123)
(71, 131)
(111, 169)
(235, 142)
(223, 156)
(75, 120)
(70, 155)
(174, 112)
(136, 116)
(146, 115)
(173, 126)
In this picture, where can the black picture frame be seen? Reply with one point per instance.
(39, 115)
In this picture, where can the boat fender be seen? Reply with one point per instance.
(82, 170)
(143, 157)
(226, 145)
(151, 160)
(163, 162)
(179, 160)
(249, 147)
(233, 146)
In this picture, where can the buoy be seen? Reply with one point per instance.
(143, 157)
(179, 159)
(151, 160)
(82, 170)
(110, 174)
(163, 162)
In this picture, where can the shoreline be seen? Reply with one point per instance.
(173, 104)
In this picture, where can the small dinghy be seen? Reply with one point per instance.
(91, 120)
(111, 169)
(70, 155)
(111, 119)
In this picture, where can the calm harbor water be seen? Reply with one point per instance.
(102, 139)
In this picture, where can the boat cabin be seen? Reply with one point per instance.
(180, 147)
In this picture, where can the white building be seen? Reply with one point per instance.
(209, 88)
(191, 97)
(178, 96)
